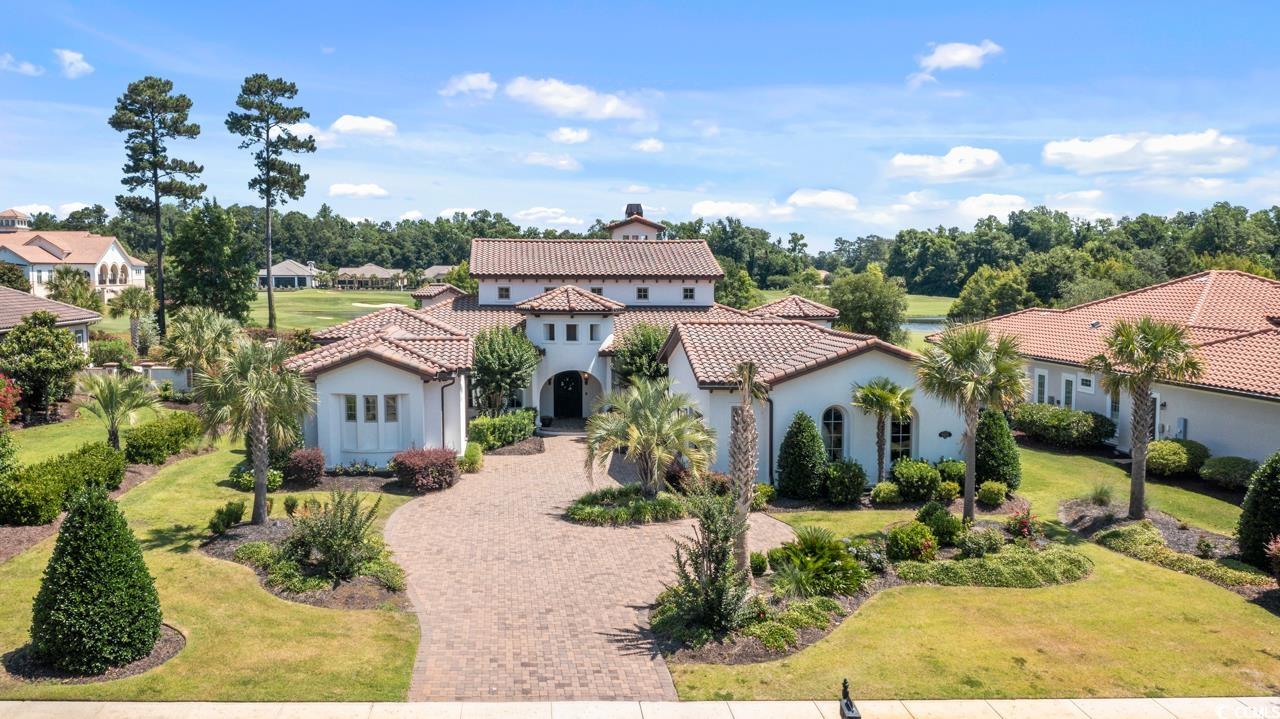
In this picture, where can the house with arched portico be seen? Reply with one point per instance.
(104, 260)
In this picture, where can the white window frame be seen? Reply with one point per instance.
(350, 408)
(827, 436)
(689, 294)
(390, 408)
(1069, 378)
(1080, 380)
(364, 408)
(504, 293)
(593, 332)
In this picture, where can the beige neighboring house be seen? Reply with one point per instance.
(289, 275)
(369, 277)
(15, 305)
(39, 252)
(436, 272)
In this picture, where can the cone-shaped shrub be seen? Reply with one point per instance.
(997, 459)
(97, 607)
(1260, 514)
(802, 460)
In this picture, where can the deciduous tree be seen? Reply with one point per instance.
(42, 359)
(215, 265)
(870, 303)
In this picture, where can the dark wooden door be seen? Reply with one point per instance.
(568, 395)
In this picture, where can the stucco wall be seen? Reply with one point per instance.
(661, 292)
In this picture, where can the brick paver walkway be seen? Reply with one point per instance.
(515, 602)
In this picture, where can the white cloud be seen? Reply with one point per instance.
(556, 162)
(566, 100)
(449, 212)
(959, 163)
(569, 135)
(33, 208)
(634, 189)
(73, 64)
(707, 128)
(328, 50)
(411, 215)
(1080, 203)
(833, 200)
(67, 208)
(9, 63)
(951, 55)
(988, 203)
(323, 138)
(366, 189)
(472, 84)
(649, 144)
(364, 125)
(743, 210)
(547, 216)
(1187, 153)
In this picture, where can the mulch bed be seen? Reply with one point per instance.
(1087, 519)
(16, 540)
(19, 664)
(529, 445)
(783, 505)
(364, 483)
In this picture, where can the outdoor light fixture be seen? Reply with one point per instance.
(847, 709)
(945, 434)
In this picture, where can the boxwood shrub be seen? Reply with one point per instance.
(917, 480)
(1168, 457)
(156, 441)
(493, 432)
(912, 540)
(1229, 472)
(1062, 427)
(885, 493)
(802, 460)
(36, 494)
(946, 526)
(951, 470)
(472, 459)
(846, 481)
(992, 494)
(997, 454)
(1260, 513)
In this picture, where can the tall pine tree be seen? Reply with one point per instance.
(265, 124)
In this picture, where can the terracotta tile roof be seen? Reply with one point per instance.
(467, 314)
(637, 218)
(12, 214)
(60, 246)
(795, 307)
(429, 357)
(593, 259)
(435, 289)
(415, 322)
(666, 318)
(569, 299)
(782, 349)
(14, 305)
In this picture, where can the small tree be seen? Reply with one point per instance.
(504, 363)
(97, 607)
(869, 302)
(72, 286)
(1260, 515)
(636, 353)
(136, 302)
(461, 278)
(883, 399)
(744, 453)
(215, 266)
(116, 399)
(198, 338)
(42, 359)
(12, 275)
(989, 292)
(997, 453)
(737, 289)
(711, 587)
(802, 461)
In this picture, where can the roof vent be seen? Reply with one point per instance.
(1095, 324)
(634, 210)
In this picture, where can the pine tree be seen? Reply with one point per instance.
(802, 461)
(997, 453)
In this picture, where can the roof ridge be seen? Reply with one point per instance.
(1204, 296)
(588, 239)
(1238, 335)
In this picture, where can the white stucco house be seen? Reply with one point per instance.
(289, 275)
(15, 305)
(39, 252)
(1233, 318)
(398, 378)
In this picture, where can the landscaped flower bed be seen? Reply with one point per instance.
(617, 506)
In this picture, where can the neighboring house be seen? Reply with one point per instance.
(39, 252)
(15, 305)
(12, 220)
(1232, 317)
(398, 378)
(636, 227)
(435, 293)
(369, 277)
(795, 307)
(436, 272)
(289, 274)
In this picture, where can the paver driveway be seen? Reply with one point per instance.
(515, 602)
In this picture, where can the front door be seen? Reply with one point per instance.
(568, 395)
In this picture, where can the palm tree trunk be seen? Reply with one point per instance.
(1140, 435)
(113, 436)
(881, 421)
(970, 458)
(743, 453)
(258, 455)
(133, 329)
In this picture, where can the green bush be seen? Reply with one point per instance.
(773, 635)
(1197, 454)
(912, 540)
(119, 351)
(977, 543)
(28, 502)
(97, 607)
(947, 492)
(759, 563)
(992, 494)
(946, 527)
(618, 506)
(156, 441)
(761, 495)
(1063, 427)
(1166, 457)
(1020, 567)
(1229, 472)
(1024, 525)
(35, 494)
(997, 454)
(283, 572)
(951, 470)
(472, 459)
(494, 432)
(290, 506)
(885, 494)
(384, 569)
(337, 539)
(816, 563)
(802, 460)
(1101, 494)
(1142, 540)
(243, 480)
(229, 515)
(1260, 513)
(917, 480)
(846, 481)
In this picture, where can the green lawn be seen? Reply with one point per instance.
(303, 309)
(243, 644)
(50, 440)
(928, 306)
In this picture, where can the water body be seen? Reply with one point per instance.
(924, 325)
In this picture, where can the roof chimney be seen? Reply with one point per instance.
(634, 209)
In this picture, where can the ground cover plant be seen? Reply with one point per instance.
(617, 506)
(1012, 566)
(1142, 540)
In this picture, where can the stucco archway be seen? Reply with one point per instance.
(571, 394)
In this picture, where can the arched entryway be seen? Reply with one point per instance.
(566, 392)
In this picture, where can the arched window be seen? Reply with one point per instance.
(102, 274)
(900, 438)
(833, 432)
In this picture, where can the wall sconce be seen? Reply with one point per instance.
(945, 434)
(1164, 405)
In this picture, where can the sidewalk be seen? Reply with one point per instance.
(1215, 708)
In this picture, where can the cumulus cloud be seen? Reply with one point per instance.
(411, 215)
(649, 144)
(34, 208)
(832, 200)
(1080, 203)
(634, 189)
(743, 210)
(951, 55)
(73, 63)
(960, 163)
(547, 216)
(323, 138)
(449, 212)
(555, 162)
(364, 125)
(67, 208)
(979, 206)
(473, 84)
(1187, 153)
(569, 135)
(9, 63)
(347, 189)
(563, 99)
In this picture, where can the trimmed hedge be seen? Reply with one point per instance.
(1142, 540)
(426, 470)
(997, 454)
(846, 481)
(1168, 457)
(1229, 472)
(1260, 513)
(1020, 567)
(494, 432)
(156, 441)
(917, 480)
(1062, 427)
(36, 494)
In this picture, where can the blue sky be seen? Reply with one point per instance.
(827, 119)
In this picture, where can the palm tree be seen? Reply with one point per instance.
(72, 286)
(251, 394)
(198, 337)
(969, 369)
(134, 301)
(883, 399)
(744, 453)
(1137, 356)
(653, 428)
(115, 400)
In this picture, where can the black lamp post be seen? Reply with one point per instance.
(847, 709)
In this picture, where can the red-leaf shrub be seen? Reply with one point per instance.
(425, 470)
(305, 467)
(10, 395)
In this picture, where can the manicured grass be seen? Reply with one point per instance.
(928, 305)
(41, 442)
(243, 644)
(302, 309)
(915, 341)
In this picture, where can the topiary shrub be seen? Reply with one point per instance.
(997, 454)
(951, 470)
(97, 607)
(1167, 457)
(1229, 472)
(885, 494)
(1197, 453)
(1260, 513)
(947, 492)
(305, 467)
(1063, 427)
(802, 460)
(911, 541)
(992, 494)
(846, 481)
(917, 480)
(425, 470)
(946, 526)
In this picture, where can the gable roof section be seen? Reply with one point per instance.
(435, 289)
(467, 314)
(637, 218)
(12, 214)
(570, 299)
(429, 357)
(289, 267)
(68, 247)
(795, 307)
(666, 318)
(782, 349)
(14, 305)
(414, 322)
(368, 269)
(590, 259)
